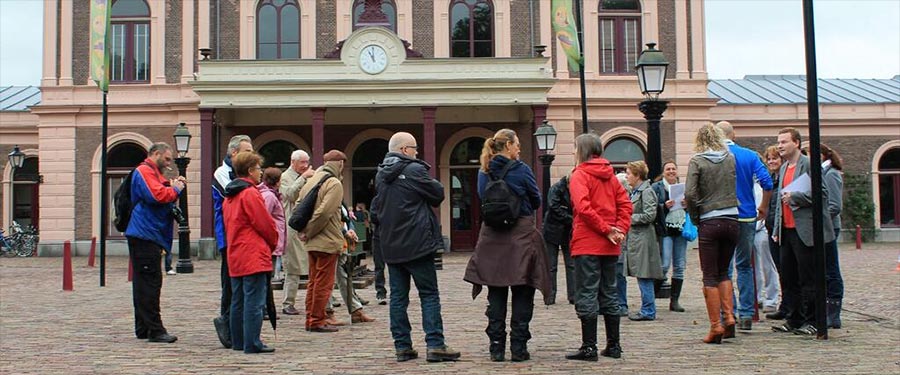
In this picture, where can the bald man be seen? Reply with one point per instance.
(749, 168)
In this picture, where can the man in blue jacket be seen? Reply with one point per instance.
(748, 167)
(149, 233)
(222, 176)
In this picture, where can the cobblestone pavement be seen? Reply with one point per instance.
(45, 330)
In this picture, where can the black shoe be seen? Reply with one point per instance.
(745, 324)
(381, 301)
(778, 315)
(407, 355)
(612, 351)
(498, 350)
(806, 330)
(222, 331)
(141, 335)
(571, 301)
(266, 349)
(520, 356)
(164, 338)
(585, 353)
(784, 328)
(638, 317)
(444, 353)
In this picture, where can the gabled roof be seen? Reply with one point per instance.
(791, 89)
(19, 98)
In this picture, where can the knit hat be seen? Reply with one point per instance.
(334, 155)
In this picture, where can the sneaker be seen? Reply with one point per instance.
(290, 310)
(804, 330)
(407, 355)
(745, 324)
(168, 339)
(171, 272)
(638, 317)
(444, 353)
(381, 300)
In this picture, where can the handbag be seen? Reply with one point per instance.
(689, 230)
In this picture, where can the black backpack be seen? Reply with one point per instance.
(500, 205)
(122, 203)
(658, 224)
(304, 211)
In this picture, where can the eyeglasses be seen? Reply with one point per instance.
(412, 147)
(256, 168)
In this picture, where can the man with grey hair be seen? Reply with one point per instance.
(221, 178)
(296, 261)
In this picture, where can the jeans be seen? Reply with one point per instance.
(743, 254)
(423, 272)
(380, 291)
(716, 239)
(247, 305)
(321, 283)
(767, 287)
(225, 300)
(168, 260)
(596, 285)
(798, 266)
(553, 251)
(648, 297)
(621, 284)
(834, 281)
(522, 311)
(146, 287)
(276, 269)
(674, 254)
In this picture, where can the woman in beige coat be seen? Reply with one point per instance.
(642, 248)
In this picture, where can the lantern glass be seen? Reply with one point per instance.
(182, 140)
(17, 157)
(545, 137)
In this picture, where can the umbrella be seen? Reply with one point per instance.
(270, 304)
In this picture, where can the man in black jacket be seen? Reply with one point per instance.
(557, 234)
(409, 235)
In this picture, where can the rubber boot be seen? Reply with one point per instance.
(498, 348)
(833, 313)
(676, 293)
(726, 295)
(588, 350)
(713, 307)
(613, 349)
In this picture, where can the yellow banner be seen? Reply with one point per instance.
(566, 32)
(100, 11)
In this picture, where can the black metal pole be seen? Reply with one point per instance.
(653, 111)
(184, 231)
(578, 23)
(812, 98)
(104, 193)
(546, 162)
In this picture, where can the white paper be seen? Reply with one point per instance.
(676, 193)
(801, 184)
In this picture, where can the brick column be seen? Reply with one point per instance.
(318, 136)
(428, 133)
(208, 163)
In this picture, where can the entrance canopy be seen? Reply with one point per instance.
(345, 82)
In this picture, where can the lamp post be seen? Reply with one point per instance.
(546, 142)
(182, 144)
(651, 71)
(16, 160)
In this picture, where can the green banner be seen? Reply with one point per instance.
(100, 11)
(566, 32)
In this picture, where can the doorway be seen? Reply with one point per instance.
(465, 205)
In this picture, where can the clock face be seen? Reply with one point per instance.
(373, 59)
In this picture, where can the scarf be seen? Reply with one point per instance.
(675, 218)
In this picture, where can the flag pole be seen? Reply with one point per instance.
(578, 24)
(104, 194)
(100, 14)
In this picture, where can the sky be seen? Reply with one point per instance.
(854, 38)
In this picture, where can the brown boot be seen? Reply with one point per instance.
(359, 316)
(726, 294)
(713, 305)
(332, 321)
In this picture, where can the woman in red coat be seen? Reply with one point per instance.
(601, 218)
(251, 235)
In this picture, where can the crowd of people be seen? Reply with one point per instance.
(750, 212)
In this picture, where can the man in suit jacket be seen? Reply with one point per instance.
(793, 230)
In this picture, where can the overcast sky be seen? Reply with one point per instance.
(854, 38)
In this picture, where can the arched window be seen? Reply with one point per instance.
(471, 28)
(365, 165)
(26, 181)
(889, 188)
(620, 35)
(278, 30)
(121, 159)
(387, 6)
(619, 151)
(129, 41)
(277, 154)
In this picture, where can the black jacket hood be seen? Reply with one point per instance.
(236, 186)
(393, 164)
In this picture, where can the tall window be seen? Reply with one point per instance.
(620, 35)
(130, 41)
(471, 28)
(278, 30)
(121, 160)
(387, 6)
(889, 188)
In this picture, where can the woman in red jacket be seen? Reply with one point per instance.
(601, 218)
(251, 236)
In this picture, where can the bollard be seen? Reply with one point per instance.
(858, 238)
(93, 251)
(67, 266)
(130, 270)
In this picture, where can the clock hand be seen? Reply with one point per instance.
(372, 55)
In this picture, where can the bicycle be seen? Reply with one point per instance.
(21, 242)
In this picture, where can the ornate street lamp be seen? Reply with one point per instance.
(651, 71)
(182, 145)
(546, 142)
(16, 161)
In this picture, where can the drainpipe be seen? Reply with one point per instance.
(218, 28)
(531, 24)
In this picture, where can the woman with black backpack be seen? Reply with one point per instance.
(510, 251)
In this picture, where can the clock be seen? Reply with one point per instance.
(373, 59)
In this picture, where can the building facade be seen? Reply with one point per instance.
(336, 74)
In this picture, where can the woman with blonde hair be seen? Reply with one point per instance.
(711, 199)
(642, 255)
(509, 254)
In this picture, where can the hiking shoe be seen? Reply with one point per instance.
(407, 355)
(444, 353)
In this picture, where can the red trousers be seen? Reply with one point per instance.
(321, 282)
